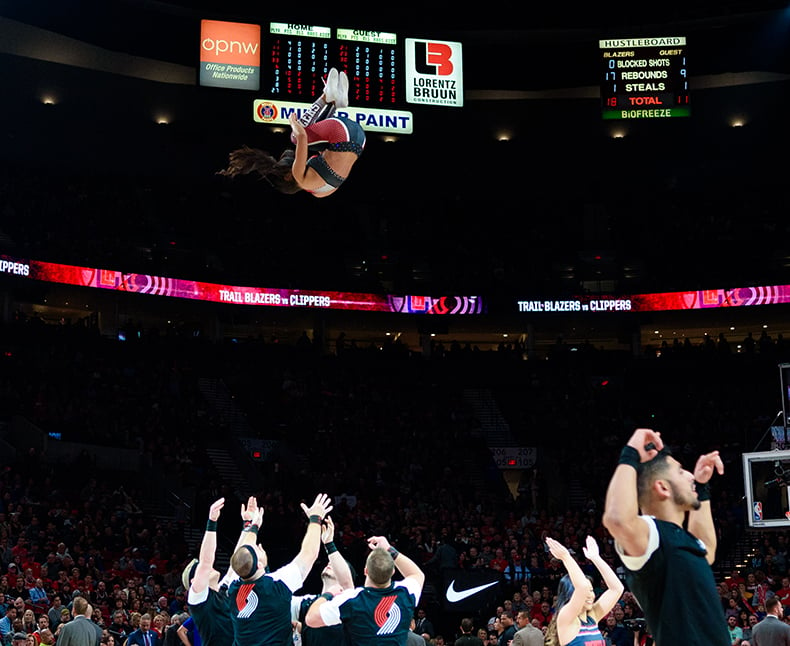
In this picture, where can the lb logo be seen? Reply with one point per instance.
(433, 58)
(266, 111)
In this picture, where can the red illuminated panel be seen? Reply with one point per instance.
(196, 290)
(696, 300)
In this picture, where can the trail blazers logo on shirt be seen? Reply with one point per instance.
(246, 601)
(387, 616)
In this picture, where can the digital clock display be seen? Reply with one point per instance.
(644, 78)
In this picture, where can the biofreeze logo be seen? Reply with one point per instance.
(434, 72)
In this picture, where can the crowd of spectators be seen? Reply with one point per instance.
(370, 429)
(66, 533)
(58, 542)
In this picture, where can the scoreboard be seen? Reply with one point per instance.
(288, 62)
(298, 57)
(644, 78)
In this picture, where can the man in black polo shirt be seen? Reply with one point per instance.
(260, 602)
(380, 612)
(667, 551)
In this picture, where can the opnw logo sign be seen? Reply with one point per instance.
(434, 72)
(236, 43)
(230, 54)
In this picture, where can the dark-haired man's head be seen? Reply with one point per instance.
(663, 481)
(379, 567)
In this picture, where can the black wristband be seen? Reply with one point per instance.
(330, 547)
(630, 456)
(327, 595)
(252, 528)
(247, 523)
(315, 518)
(393, 552)
(703, 490)
(211, 525)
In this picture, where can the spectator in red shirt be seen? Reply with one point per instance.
(157, 561)
(63, 578)
(499, 562)
(19, 550)
(783, 593)
(735, 579)
(542, 613)
(13, 574)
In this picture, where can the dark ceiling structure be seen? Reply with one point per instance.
(561, 205)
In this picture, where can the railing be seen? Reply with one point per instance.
(182, 510)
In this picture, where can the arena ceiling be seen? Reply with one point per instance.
(732, 42)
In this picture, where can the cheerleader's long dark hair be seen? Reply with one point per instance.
(564, 593)
(277, 172)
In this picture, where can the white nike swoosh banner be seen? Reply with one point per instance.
(471, 590)
(454, 596)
